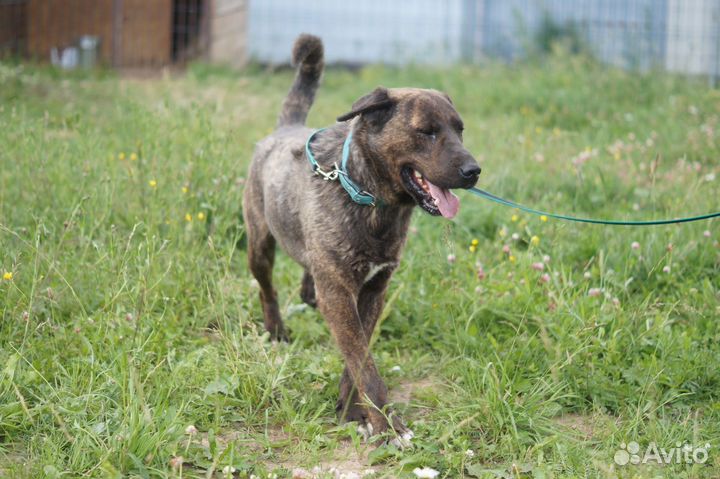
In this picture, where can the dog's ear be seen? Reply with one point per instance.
(377, 100)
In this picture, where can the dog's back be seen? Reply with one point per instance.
(278, 174)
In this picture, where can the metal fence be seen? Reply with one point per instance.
(677, 35)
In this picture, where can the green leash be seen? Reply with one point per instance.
(363, 197)
(512, 204)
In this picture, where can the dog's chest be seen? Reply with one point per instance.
(374, 268)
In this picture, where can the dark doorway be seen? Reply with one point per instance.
(189, 29)
(13, 28)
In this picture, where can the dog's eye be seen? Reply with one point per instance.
(429, 132)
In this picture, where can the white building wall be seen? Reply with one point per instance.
(370, 31)
(680, 35)
(693, 40)
(228, 32)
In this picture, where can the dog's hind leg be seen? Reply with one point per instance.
(307, 290)
(261, 256)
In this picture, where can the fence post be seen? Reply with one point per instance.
(714, 77)
(467, 30)
(117, 26)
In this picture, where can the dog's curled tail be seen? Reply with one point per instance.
(307, 56)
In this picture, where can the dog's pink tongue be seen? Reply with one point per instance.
(447, 202)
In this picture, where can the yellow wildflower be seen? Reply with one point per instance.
(512, 258)
(133, 157)
(201, 216)
(188, 217)
(152, 183)
(121, 156)
(8, 276)
(474, 242)
(543, 218)
(556, 131)
(514, 218)
(535, 240)
(502, 232)
(472, 248)
(185, 189)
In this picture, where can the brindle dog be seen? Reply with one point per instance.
(406, 150)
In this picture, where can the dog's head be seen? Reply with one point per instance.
(418, 134)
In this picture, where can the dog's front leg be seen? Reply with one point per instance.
(337, 303)
(370, 305)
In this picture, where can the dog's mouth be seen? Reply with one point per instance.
(433, 199)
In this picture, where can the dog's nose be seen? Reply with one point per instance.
(470, 171)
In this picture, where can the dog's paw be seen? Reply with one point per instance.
(351, 412)
(403, 440)
(365, 431)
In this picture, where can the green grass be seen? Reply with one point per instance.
(123, 322)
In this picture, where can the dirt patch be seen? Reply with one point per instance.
(12, 461)
(345, 461)
(404, 392)
(583, 425)
(348, 462)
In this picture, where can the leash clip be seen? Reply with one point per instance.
(328, 175)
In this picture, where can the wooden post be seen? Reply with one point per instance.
(117, 21)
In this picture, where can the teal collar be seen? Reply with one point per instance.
(357, 194)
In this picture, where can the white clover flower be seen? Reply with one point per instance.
(425, 473)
